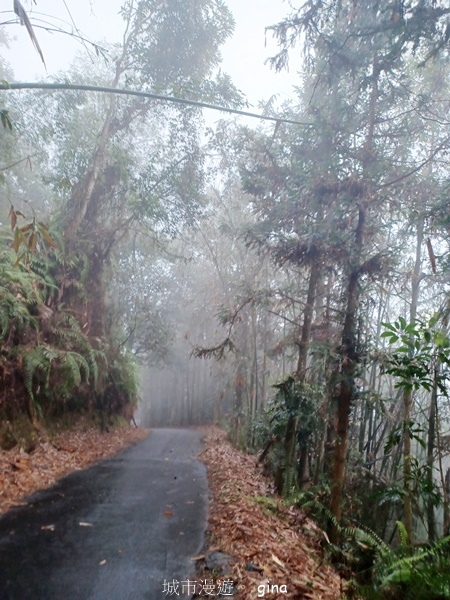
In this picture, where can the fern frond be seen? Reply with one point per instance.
(403, 534)
(72, 369)
(38, 359)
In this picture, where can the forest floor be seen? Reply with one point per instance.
(23, 473)
(270, 544)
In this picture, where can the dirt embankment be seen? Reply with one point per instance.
(276, 549)
(23, 473)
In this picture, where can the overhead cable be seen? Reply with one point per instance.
(151, 95)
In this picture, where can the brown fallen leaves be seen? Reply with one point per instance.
(22, 474)
(278, 543)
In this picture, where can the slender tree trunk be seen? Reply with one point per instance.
(238, 399)
(290, 440)
(328, 408)
(346, 391)
(430, 458)
(445, 479)
(408, 395)
(349, 334)
(96, 298)
(407, 467)
(254, 378)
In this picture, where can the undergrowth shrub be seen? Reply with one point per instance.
(375, 570)
(49, 364)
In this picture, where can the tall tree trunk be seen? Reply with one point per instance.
(239, 389)
(349, 337)
(95, 303)
(407, 466)
(347, 385)
(408, 395)
(327, 412)
(290, 440)
(445, 479)
(431, 519)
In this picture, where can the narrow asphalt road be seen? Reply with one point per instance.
(115, 531)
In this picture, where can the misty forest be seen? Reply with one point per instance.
(285, 278)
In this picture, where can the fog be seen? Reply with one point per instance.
(285, 276)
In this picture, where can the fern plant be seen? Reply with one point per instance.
(45, 365)
(410, 573)
(69, 334)
(402, 573)
(46, 357)
(375, 570)
(18, 294)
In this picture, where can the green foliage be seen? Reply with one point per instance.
(289, 476)
(29, 237)
(18, 295)
(292, 399)
(314, 502)
(421, 347)
(298, 399)
(6, 119)
(421, 484)
(47, 366)
(409, 428)
(190, 32)
(119, 392)
(268, 503)
(44, 353)
(375, 570)
(271, 421)
(409, 573)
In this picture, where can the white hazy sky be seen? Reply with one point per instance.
(244, 54)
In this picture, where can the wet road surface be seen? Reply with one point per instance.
(115, 531)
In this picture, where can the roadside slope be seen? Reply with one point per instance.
(23, 473)
(272, 545)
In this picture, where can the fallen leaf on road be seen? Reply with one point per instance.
(277, 560)
(168, 513)
(48, 527)
(84, 524)
(102, 562)
(21, 463)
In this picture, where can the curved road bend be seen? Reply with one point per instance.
(114, 531)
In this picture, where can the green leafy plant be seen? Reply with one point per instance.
(418, 361)
(409, 573)
(419, 346)
(44, 353)
(28, 238)
(374, 569)
(44, 365)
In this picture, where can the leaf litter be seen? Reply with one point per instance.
(23, 473)
(271, 544)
